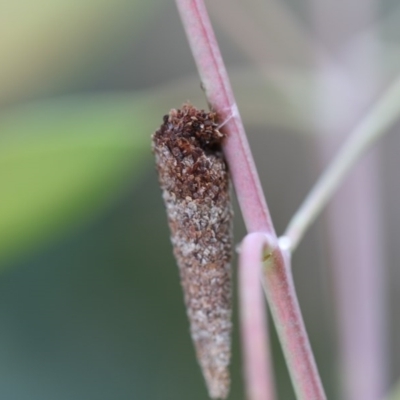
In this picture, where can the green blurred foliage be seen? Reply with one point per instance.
(64, 160)
(61, 163)
(50, 44)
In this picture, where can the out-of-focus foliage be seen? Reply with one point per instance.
(60, 163)
(46, 43)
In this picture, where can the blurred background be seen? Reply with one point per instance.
(90, 301)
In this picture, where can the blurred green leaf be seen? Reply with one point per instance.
(46, 43)
(62, 162)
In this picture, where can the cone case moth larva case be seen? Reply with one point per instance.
(195, 183)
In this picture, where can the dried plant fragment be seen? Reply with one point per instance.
(195, 183)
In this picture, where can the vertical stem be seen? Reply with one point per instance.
(253, 322)
(278, 277)
(282, 299)
(219, 93)
(354, 226)
(353, 216)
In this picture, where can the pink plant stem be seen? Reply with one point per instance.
(256, 353)
(281, 294)
(278, 279)
(354, 215)
(220, 96)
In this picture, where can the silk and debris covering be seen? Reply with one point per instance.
(195, 182)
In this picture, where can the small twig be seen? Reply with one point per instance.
(278, 279)
(281, 294)
(256, 353)
(374, 125)
(220, 97)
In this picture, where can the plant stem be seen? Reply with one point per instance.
(373, 126)
(278, 279)
(281, 294)
(219, 94)
(254, 330)
(354, 217)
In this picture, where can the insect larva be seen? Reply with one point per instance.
(194, 179)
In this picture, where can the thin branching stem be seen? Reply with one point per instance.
(281, 294)
(278, 279)
(254, 332)
(372, 127)
(219, 94)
